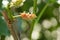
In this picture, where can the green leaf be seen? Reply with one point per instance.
(3, 27)
(0, 14)
(0, 7)
(0, 4)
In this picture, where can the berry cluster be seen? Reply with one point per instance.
(27, 16)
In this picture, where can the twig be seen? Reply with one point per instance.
(10, 26)
(36, 21)
(35, 6)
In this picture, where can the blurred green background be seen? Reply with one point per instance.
(48, 27)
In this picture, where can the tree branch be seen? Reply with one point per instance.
(10, 26)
